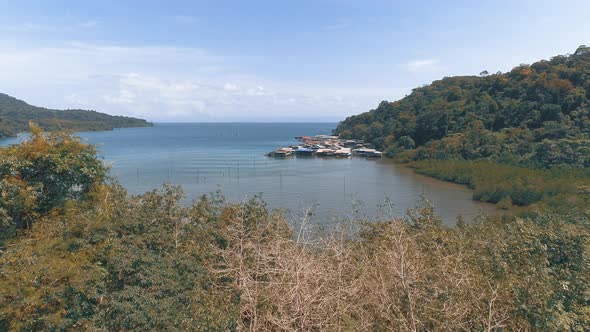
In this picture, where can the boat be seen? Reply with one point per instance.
(282, 152)
(324, 152)
(304, 151)
(374, 154)
(363, 151)
(344, 152)
(371, 153)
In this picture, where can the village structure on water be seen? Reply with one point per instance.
(326, 146)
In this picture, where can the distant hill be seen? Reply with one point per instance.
(535, 115)
(15, 115)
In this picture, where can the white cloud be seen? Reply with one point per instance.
(88, 24)
(421, 65)
(185, 19)
(230, 87)
(339, 25)
(123, 97)
(166, 84)
(29, 27)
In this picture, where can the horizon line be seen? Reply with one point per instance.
(241, 122)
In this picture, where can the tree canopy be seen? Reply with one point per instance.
(98, 259)
(534, 115)
(43, 173)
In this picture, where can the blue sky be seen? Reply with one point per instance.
(316, 60)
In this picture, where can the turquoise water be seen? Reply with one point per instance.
(206, 157)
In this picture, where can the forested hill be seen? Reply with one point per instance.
(15, 115)
(535, 115)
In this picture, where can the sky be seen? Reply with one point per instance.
(265, 61)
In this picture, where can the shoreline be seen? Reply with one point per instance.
(487, 207)
(77, 131)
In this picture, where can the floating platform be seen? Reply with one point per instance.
(326, 146)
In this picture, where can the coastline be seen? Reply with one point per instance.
(150, 124)
(486, 207)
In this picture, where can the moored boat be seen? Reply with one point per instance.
(362, 151)
(324, 152)
(281, 152)
(344, 152)
(374, 154)
(304, 151)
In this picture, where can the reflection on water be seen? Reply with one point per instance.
(204, 158)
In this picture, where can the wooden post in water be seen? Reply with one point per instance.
(171, 167)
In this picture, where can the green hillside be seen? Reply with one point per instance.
(15, 115)
(535, 116)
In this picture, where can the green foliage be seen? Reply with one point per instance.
(104, 260)
(42, 173)
(157, 275)
(505, 203)
(541, 264)
(559, 188)
(535, 115)
(15, 115)
(117, 263)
